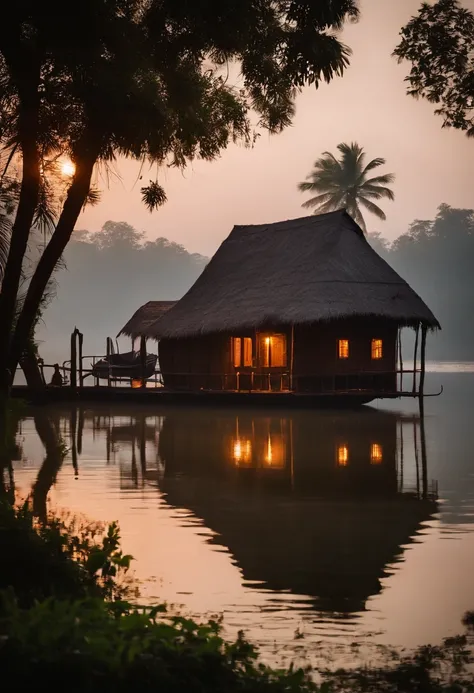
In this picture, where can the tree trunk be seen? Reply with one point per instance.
(28, 129)
(75, 200)
(52, 463)
(31, 370)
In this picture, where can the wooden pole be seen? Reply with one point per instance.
(423, 359)
(81, 341)
(143, 360)
(400, 358)
(415, 355)
(109, 353)
(402, 457)
(80, 430)
(74, 360)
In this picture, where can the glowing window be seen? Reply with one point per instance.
(273, 351)
(376, 453)
(241, 451)
(342, 456)
(237, 344)
(343, 348)
(239, 358)
(377, 349)
(248, 357)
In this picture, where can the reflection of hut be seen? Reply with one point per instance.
(305, 305)
(325, 521)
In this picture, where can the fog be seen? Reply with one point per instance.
(98, 293)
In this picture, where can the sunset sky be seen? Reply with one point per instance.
(368, 105)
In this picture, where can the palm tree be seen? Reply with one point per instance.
(344, 183)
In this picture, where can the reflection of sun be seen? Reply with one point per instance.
(68, 168)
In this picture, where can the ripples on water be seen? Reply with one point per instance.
(315, 532)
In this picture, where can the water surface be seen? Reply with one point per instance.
(314, 523)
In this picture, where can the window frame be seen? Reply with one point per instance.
(376, 349)
(265, 350)
(243, 362)
(343, 354)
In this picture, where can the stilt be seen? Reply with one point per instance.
(400, 358)
(80, 345)
(415, 356)
(73, 382)
(143, 446)
(402, 457)
(143, 360)
(423, 362)
(109, 353)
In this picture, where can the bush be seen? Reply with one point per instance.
(69, 561)
(94, 646)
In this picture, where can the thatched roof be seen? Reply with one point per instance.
(144, 317)
(302, 271)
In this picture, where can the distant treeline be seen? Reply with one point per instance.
(107, 276)
(436, 257)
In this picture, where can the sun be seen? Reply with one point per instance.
(68, 168)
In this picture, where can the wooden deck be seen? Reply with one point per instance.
(214, 398)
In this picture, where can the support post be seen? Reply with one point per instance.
(415, 357)
(400, 357)
(73, 382)
(143, 360)
(80, 343)
(108, 352)
(424, 465)
(423, 360)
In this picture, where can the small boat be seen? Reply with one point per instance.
(127, 365)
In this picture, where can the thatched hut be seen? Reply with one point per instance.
(305, 305)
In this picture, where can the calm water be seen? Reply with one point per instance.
(321, 523)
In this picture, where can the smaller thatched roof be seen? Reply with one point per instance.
(145, 316)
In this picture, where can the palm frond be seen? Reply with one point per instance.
(325, 198)
(384, 179)
(5, 235)
(372, 208)
(153, 195)
(375, 163)
(377, 192)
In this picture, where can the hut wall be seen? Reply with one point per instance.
(192, 364)
(318, 368)
(206, 362)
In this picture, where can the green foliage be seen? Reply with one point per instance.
(94, 646)
(444, 668)
(344, 183)
(439, 43)
(55, 558)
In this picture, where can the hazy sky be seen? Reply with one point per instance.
(368, 104)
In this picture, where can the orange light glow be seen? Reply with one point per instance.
(68, 169)
(274, 456)
(343, 348)
(342, 456)
(268, 340)
(136, 383)
(377, 349)
(376, 454)
(242, 451)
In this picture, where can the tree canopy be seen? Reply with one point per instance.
(147, 79)
(439, 43)
(345, 183)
